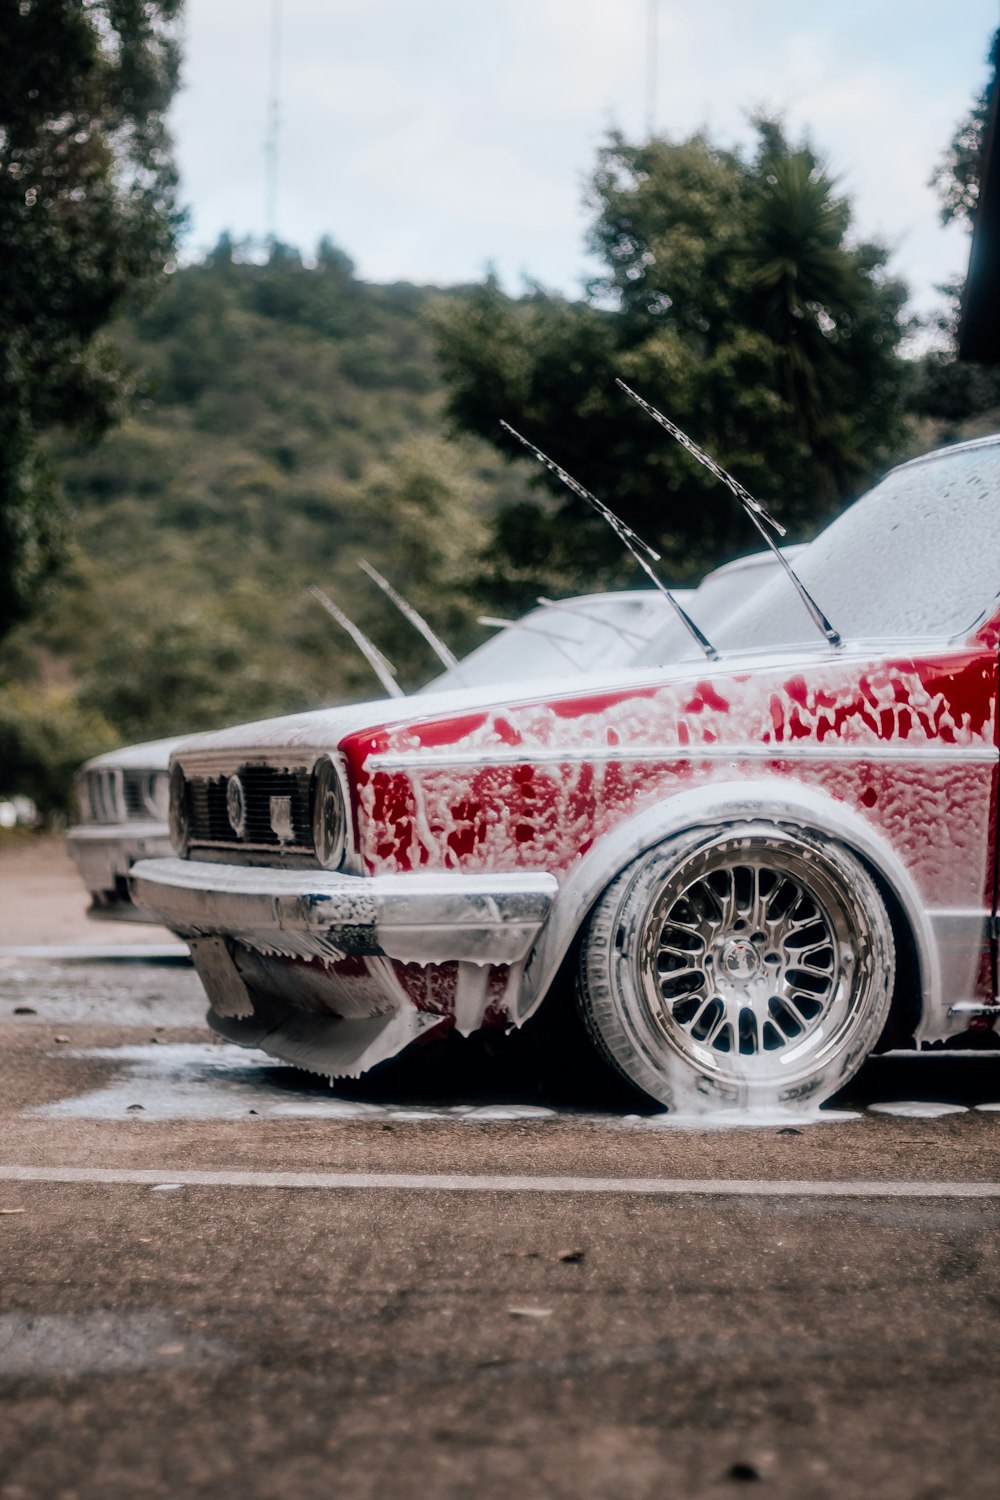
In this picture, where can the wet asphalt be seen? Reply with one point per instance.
(165, 1337)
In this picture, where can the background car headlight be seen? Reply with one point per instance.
(156, 795)
(329, 815)
(178, 819)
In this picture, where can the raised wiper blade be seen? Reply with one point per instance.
(383, 669)
(742, 494)
(445, 657)
(761, 518)
(640, 550)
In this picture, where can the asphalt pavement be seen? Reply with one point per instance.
(473, 1274)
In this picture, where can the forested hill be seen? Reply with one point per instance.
(288, 423)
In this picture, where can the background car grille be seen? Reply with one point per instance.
(132, 787)
(109, 794)
(209, 819)
(100, 795)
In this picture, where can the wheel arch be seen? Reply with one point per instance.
(766, 799)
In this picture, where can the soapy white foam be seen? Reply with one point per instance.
(749, 1119)
(917, 1109)
(511, 1112)
(202, 1081)
(932, 812)
(217, 1081)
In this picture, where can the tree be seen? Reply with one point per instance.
(956, 176)
(948, 391)
(88, 218)
(734, 299)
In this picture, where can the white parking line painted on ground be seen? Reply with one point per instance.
(431, 1182)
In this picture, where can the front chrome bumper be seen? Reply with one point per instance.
(414, 918)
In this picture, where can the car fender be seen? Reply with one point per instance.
(767, 799)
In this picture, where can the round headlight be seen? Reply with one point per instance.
(178, 819)
(156, 795)
(329, 815)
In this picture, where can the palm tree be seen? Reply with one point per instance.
(807, 292)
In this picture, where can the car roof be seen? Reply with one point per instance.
(989, 441)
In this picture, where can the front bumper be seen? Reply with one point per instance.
(413, 918)
(104, 854)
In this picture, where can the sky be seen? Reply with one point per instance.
(432, 139)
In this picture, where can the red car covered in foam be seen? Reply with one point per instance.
(759, 867)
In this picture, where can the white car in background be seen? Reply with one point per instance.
(122, 800)
(122, 796)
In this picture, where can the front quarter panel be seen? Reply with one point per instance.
(896, 757)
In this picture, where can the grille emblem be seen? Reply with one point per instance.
(281, 819)
(236, 806)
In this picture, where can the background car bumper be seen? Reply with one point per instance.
(105, 853)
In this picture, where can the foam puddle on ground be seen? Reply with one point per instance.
(751, 1119)
(917, 1109)
(212, 1080)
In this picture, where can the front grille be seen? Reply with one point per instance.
(209, 818)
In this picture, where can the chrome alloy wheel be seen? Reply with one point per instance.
(745, 956)
(748, 965)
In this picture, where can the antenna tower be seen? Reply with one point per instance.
(652, 48)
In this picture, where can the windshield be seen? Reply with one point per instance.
(917, 557)
(719, 594)
(562, 639)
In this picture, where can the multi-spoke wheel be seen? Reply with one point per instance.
(750, 967)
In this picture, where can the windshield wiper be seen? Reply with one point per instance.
(445, 657)
(640, 550)
(383, 669)
(758, 515)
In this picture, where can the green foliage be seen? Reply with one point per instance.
(87, 217)
(43, 738)
(954, 398)
(288, 424)
(956, 176)
(734, 300)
